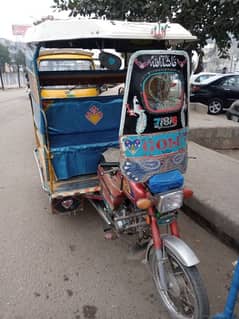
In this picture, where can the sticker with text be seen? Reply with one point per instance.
(167, 121)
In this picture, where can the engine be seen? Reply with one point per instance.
(129, 219)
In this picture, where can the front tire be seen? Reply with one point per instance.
(185, 296)
(215, 106)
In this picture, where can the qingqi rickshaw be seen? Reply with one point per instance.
(124, 149)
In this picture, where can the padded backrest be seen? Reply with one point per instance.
(69, 116)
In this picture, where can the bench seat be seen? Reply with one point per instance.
(80, 130)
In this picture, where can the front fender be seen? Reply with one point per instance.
(178, 248)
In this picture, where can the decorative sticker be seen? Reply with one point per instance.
(132, 145)
(136, 170)
(154, 144)
(142, 119)
(159, 61)
(153, 131)
(165, 122)
(69, 93)
(159, 30)
(181, 63)
(94, 115)
(142, 65)
(140, 170)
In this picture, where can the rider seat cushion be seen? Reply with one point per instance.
(164, 182)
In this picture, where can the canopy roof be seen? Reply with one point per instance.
(76, 29)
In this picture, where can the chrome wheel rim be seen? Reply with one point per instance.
(179, 296)
(215, 107)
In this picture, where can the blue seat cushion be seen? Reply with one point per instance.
(164, 182)
(76, 142)
(70, 161)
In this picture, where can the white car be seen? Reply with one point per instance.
(200, 77)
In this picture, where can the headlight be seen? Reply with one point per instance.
(170, 201)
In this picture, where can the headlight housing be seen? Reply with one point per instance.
(170, 201)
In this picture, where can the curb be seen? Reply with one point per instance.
(222, 228)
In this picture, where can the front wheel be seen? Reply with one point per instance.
(185, 296)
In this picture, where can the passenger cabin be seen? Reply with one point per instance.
(73, 131)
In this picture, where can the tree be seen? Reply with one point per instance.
(20, 58)
(4, 58)
(207, 19)
(4, 55)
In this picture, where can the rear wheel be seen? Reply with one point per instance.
(215, 106)
(185, 296)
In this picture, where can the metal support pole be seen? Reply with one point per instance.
(18, 76)
(1, 79)
(228, 312)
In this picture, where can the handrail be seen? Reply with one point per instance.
(81, 77)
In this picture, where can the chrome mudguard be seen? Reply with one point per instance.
(179, 248)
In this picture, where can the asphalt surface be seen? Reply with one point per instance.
(59, 267)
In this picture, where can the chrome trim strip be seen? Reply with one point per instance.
(44, 187)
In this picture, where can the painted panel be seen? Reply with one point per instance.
(153, 131)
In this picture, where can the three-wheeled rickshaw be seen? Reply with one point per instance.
(123, 145)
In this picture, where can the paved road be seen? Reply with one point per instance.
(56, 267)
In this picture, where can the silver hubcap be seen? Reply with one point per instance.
(215, 107)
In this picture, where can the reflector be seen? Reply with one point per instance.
(67, 203)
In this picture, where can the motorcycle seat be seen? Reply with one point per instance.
(164, 182)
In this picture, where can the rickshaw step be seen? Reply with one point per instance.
(79, 185)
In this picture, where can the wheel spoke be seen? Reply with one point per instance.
(186, 299)
(180, 298)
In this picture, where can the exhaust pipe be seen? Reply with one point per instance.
(101, 212)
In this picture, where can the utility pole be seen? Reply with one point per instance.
(1, 79)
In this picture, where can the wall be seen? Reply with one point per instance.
(10, 80)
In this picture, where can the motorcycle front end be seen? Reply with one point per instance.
(153, 146)
(139, 209)
(173, 264)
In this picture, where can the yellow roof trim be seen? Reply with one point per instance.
(65, 56)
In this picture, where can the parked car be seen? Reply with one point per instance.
(217, 92)
(200, 77)
(233, 112)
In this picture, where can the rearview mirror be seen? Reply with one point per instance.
(109, 61)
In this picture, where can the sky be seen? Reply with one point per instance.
(23, 12)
